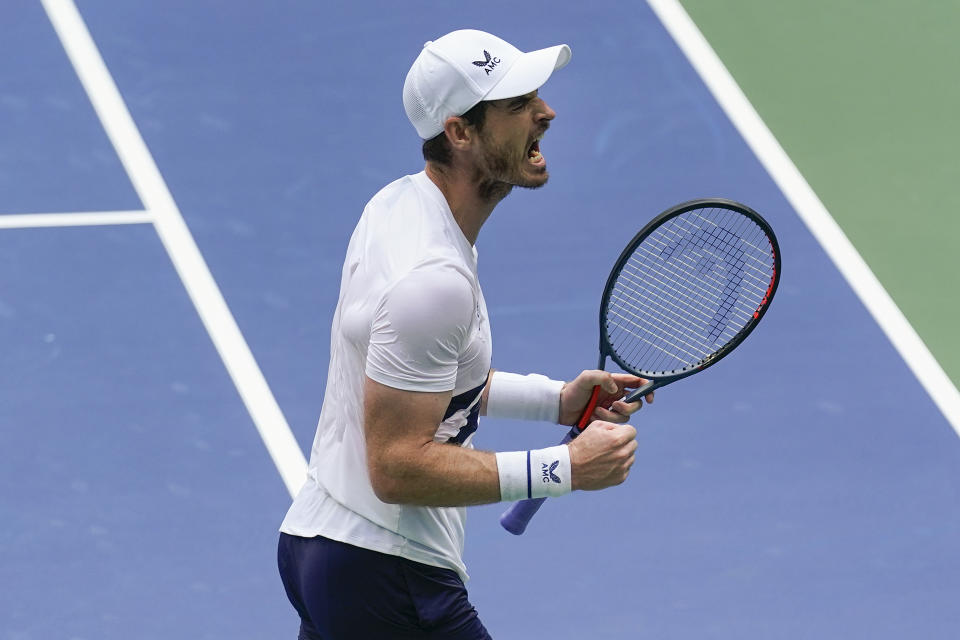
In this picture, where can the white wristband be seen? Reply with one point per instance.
(540, 473)
(531, 397)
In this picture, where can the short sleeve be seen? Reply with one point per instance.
(419, 329)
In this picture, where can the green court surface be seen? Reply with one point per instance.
(864, 97)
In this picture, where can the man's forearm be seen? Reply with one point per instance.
(435, 474)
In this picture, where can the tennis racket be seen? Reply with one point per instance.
(684, 293)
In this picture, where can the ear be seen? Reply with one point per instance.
(460, 134)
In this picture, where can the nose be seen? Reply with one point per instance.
(545, 112)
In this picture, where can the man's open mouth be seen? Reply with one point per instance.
(533, 153)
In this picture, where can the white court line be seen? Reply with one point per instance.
(79, 219)
(176, 238)
(813, 213)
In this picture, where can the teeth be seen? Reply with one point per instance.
(534, 154)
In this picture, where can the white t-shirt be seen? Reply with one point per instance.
(411, 316)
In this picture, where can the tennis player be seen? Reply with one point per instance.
(371, 547)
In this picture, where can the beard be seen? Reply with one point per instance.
(499, 171)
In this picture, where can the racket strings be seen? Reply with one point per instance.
(688, 289)
(720, 284)
(634, 272)
(761, 254)
(686, 304)
(680, 323)
(677, 347)
(710, 287)
(759, 276)
(698, 268)
(636, 302)
(674, 244)
(682, 313)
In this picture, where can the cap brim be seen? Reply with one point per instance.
(530, 72)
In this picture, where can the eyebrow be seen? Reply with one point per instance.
(521, 100)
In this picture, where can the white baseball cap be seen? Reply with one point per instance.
(455, 72)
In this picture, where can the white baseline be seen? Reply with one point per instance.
(78, 219)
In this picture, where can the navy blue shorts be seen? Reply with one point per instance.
(345, 592)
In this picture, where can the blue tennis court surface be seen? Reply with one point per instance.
(804, 488)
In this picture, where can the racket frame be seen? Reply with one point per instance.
(660, 379)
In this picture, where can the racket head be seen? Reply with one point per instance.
(687, 289)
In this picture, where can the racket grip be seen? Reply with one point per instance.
(518, 516)
(587, 412)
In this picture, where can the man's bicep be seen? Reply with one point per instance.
(398, 417)
(397, 425)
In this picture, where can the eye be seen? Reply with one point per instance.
(520, 105)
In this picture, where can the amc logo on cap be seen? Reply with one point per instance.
(489, 64)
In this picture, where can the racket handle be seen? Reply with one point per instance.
(588, 411)
(518, 516)
(641, 391)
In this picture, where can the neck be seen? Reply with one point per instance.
(470, 197)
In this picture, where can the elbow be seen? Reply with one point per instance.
(387, 491)
(386, 486)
